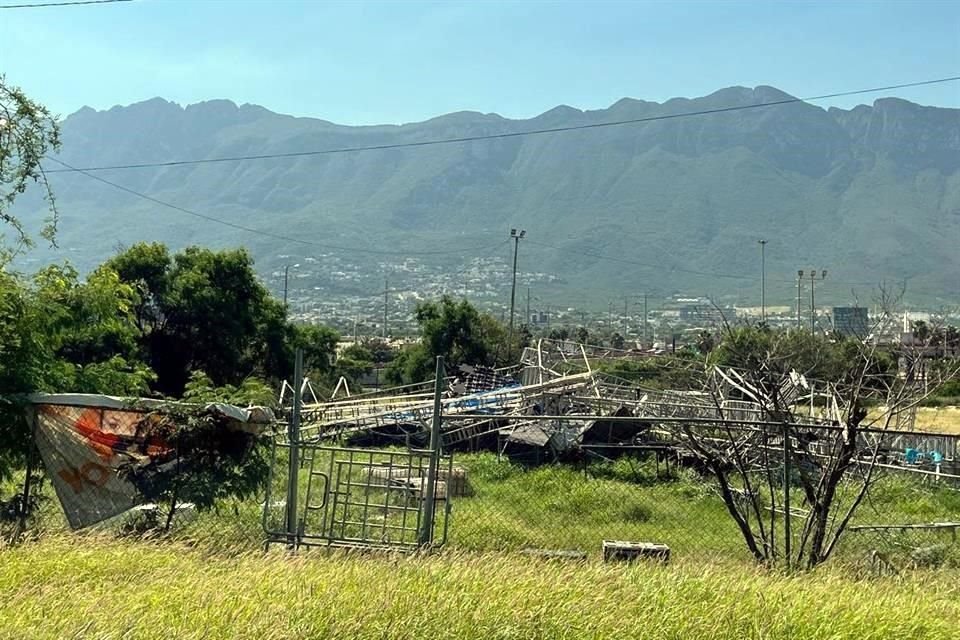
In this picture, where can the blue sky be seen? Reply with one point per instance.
(397, 62)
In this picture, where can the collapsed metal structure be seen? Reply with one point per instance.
(556, 402)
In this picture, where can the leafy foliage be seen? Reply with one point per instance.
(56, 334)
(252, 391)
(777, 352)
(682, 371)
(205, 310)
(211, 462)
(461, 334)
(27, 133)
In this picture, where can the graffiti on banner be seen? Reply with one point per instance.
(95, 452)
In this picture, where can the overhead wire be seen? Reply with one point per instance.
(87, 171)
(260, 232)
(504, 135)
(40, 5)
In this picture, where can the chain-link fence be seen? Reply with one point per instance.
(647, 495)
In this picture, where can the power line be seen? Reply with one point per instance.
(499, 136)
(260, 232)
(40, 5)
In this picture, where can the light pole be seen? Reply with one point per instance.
(813, 308)
(763, 281)
(516, 235)
(644, 318)
(799, 282)
(286, 278)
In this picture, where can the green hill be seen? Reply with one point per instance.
(871, 194)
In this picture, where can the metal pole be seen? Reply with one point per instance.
(24, 506)
(513, 291)
(813, 309)
(786, 492)
(386, 289)
(293, 436)
(625, 311)
(799, 282)
(527, 321)
(426, 531)
(644, 317)
(763, 281)
(286, 276)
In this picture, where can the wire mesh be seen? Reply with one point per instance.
(530, 500)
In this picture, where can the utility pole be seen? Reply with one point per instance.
(763, 281)
(625, 312)
(644, 318)
(813, 308)
(286, 278)
(528, 306)
(516, 235)
(386, 291)
(799, 282)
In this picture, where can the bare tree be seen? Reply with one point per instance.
(777, 426)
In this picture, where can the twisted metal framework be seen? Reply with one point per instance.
(556, 397)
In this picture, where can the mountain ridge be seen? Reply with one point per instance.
(872, 192)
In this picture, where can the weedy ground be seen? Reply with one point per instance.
(99, 587)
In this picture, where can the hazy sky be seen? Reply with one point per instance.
(393, 62)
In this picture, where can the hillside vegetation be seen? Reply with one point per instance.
(871, 194)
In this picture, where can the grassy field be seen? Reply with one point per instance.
(104, 588)
(938, 419)
(944, 419)
(511, 508)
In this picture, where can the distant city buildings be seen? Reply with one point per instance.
(851, 321)
(702, 312)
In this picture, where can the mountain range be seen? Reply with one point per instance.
(673, 203)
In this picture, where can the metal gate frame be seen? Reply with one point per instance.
(295, 526)
(362, 498)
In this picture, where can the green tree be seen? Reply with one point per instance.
(353, 363)
(380, 350)
(813, 355)
(27, 133)
(460, 333)
(60, 334)
(205, 310)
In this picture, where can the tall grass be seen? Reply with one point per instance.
(104, 588)
(562, 507)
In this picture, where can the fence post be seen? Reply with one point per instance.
(23, 508)
(293, 438)
(786, 492)
(430, 490)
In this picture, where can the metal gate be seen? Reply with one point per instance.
(358, 497)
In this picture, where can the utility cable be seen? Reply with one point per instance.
(40, 5)
(260, 232)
